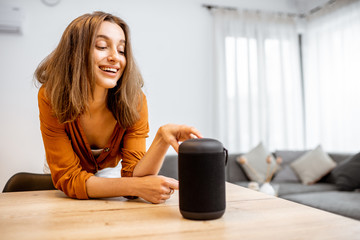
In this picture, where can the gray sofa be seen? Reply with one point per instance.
(324, 194)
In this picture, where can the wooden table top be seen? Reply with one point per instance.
(249, 215)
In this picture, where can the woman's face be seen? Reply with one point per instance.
(109, 55)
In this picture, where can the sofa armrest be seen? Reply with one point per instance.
(234, 172)
(170, 167)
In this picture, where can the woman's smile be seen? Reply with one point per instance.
(109, 69)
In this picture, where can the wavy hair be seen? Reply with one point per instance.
(68, 77)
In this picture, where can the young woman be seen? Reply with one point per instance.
(94, 115)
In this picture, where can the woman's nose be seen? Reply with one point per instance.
(114, 56)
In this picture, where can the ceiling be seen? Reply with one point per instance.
(288, 6)
(305, 6)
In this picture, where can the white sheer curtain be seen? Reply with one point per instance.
(258, 92)
(332, 77)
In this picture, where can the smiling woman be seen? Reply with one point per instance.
(93, 115)
(78, 47)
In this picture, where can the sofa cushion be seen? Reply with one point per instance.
(256, 167)
(340, 157)
(343, 203)
(289, 156)
(286, 173)
(347, 174)
(313, 165)
(295, 188)
(284, 189)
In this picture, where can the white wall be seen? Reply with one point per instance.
(173, 47)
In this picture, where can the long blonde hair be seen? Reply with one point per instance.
(67, 73)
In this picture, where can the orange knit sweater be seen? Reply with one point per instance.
(68, 152)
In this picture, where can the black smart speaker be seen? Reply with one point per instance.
(202, 179)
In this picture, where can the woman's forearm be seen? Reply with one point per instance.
(98, 187)
(155, 189)
(151, 163)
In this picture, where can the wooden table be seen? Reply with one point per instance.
(249, 215)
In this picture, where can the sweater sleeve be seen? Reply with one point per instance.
(134, 141)
(66, 171)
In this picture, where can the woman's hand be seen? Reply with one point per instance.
(173, 134)
(156, 189)
(170, 134)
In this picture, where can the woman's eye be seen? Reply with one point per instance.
(101, 47)
(121, 52)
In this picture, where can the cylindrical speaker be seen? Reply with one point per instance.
(202, 179)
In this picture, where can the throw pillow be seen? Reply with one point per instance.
(313, 165)
(347, 174)
(255, 165)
